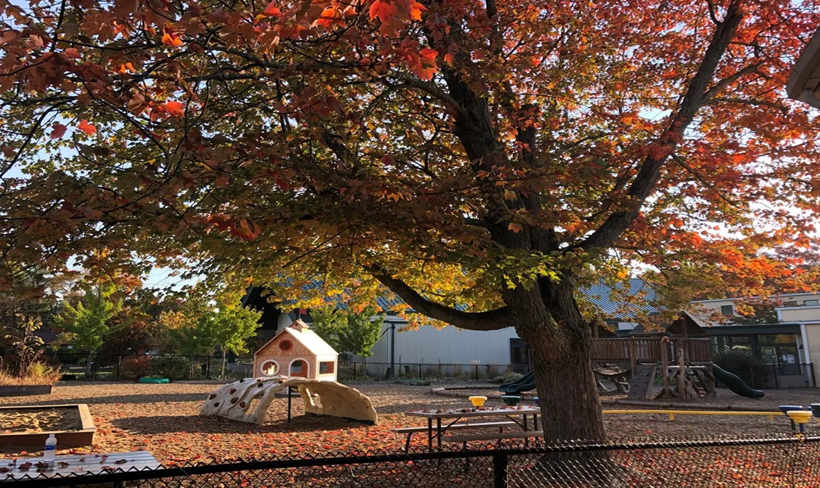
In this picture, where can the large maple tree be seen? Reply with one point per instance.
(479, 159)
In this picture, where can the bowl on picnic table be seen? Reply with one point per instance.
(511, 400)
(478, 401)
(537, 401)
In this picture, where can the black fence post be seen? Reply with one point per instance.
(208, 369)
(119, 363)
(476, 372)
(500, 469)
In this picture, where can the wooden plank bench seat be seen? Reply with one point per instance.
(477, 425)
(493, 437)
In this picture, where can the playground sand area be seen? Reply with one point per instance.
(45, 420)
(165, 420)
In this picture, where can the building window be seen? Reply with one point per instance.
(518, 352)
(811, 303)
(326, 367)
(270, 368)
(285, 345)
(727, 310)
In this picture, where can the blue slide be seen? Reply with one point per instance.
(734, 383)
(526, 383)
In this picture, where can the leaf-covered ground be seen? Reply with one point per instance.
(164, 420)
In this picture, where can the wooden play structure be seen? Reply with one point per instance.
(247, 400)
(680, 355)
(297, 352)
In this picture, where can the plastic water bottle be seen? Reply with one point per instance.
(51, 449)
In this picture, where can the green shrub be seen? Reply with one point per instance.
(507, 377)
(172, 367)
(742, 363)
(134, 368)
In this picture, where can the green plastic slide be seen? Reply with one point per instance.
(734, 383)
(526, 383)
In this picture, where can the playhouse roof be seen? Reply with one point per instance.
(302, 333)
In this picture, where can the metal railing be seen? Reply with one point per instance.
(779, 461)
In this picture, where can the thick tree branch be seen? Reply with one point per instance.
(650, 171)
(492, 320)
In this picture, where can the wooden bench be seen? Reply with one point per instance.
(478, 425)
(464, 439)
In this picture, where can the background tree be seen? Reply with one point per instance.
(87, 324)
(142, 331)
(481, 160)
(202, 326)
(348, 331)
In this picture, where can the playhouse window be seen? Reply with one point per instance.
(296, 368)
(326, 367)
(270, 368)
(285, 345)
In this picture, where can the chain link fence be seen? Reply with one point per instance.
(714, 462)
(130, 367)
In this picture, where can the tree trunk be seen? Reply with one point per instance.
(88, 361)
(567, 391)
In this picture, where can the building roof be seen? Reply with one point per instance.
(804, 79)
(600, 295)
(604, 296)
(302, 333)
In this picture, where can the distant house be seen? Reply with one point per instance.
(296, 351)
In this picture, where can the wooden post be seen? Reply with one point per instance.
(665, 368)
(681, 370)
(633, 355)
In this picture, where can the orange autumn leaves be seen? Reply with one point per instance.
(172, 108)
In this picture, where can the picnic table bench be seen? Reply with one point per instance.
(498, 437)
(455, 415)
(477, 425)
(78, 464)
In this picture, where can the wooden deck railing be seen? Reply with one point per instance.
(648, 350)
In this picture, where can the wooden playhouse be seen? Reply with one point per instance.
(298, 352)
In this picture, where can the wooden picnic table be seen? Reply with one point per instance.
(79, 464)
(456, 414)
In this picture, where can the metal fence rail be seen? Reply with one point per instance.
(714, 462)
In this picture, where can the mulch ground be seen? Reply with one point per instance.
(165, 420)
